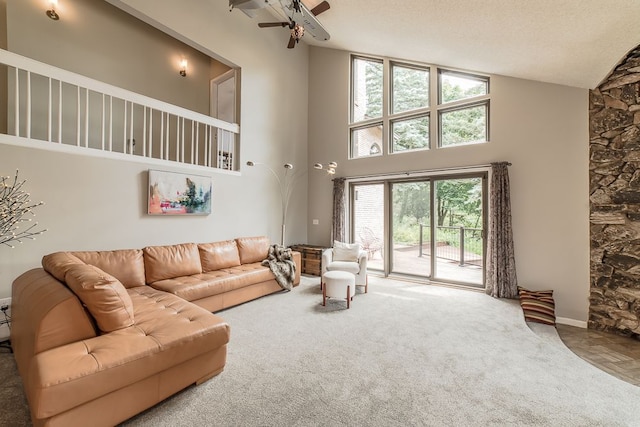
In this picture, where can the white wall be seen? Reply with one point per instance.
(94, 203)
(542, 129)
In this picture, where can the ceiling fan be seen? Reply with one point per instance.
(302, 19)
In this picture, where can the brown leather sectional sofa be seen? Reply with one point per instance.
(100, 336)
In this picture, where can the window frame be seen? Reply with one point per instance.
(368, 124)
(459, 107)
(434, 110)
(352, 86)
(462, 74)
(406, 65)
(400, 118)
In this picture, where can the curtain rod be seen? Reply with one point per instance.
(414, 172)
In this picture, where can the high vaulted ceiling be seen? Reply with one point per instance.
(569, 42)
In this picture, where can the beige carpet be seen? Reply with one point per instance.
(404, 354)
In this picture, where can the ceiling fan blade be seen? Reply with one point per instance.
(273, 24)
(321, 7)
(292, 42)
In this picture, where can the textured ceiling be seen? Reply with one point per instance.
(569, 42)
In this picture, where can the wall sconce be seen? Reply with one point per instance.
(331, 167)
(51, 13)
(183, 67)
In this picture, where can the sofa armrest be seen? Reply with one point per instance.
(327, 257)
(362, 261)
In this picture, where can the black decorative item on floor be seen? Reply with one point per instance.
(6, 321)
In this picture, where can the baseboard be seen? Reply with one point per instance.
(571, 322)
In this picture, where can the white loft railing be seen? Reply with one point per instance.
(68, 110)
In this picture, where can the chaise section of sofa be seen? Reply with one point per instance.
(72, 370)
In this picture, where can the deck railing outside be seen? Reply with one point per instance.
(50, 104)
(461, 244)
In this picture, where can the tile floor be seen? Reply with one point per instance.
(617, 355)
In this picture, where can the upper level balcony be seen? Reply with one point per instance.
(55, 109)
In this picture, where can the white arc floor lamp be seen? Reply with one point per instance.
(286, 188)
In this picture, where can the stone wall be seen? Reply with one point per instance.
(614, 173)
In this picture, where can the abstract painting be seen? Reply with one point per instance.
(172, 193)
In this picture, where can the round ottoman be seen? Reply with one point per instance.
(339, 284)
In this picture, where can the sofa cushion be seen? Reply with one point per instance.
(167, 262)
(57, 264)
(215, 256)
(125, 265)
(198, 286)
(253, 249)
(348, 266)
(103, 295)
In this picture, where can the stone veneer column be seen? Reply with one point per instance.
(614, 174)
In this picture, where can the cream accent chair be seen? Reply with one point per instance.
(349, 258)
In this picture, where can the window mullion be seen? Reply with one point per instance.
(409, 114)
(434, 122)
(386, 106)
(462, 102)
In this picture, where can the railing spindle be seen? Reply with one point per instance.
(151, 132)
(192, 136)
(59, 111)
(78, 116)
(162, 134)
(110, 123)
(86, 118)
(207, 159)
(168, 140)
(102, 125)
(17, 110)
(212, 155)
(28, 104)
(144, 131)
(124, 128)
(132, 147)
(232, 151)
(49, 108)
(182, 141)
(197, 143)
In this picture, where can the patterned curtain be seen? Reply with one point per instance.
(338, 230)
(501, 272)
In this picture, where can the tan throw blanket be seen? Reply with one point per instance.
(282, 266)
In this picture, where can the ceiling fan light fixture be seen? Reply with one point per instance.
(297, 32)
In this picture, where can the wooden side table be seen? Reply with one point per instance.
(311, 258)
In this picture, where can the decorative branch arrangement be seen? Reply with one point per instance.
(14, 204)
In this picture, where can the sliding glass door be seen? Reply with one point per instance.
(411, 228)
(368, 221)
(434, 226)
(459, 230)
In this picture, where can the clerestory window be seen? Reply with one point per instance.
(399, 107)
